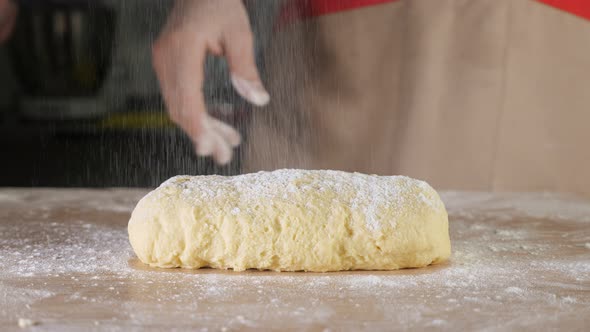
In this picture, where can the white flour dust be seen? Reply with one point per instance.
(369, 193)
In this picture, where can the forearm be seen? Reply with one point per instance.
(8, 12)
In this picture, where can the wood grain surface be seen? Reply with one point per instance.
(520, 262)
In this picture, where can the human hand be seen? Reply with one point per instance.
(8, 11)
(195, 28)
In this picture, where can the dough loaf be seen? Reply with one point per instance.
(291, 220)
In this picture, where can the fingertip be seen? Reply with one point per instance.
(223, 154)
(214, 144)
(253, 91)
(235, 141)
(229, 134)
(204, 145)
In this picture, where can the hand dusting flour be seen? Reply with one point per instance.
(519, 261)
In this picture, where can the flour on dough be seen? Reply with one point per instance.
(291, 220)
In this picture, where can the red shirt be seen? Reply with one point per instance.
(576, 7)
(300, 9)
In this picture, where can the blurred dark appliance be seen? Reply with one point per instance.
(62, 52)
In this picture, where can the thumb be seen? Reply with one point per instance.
(239, 53)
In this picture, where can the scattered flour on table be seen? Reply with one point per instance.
(116, 200)
(92, 260)
(533, 205)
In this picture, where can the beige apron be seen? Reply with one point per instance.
(466, 94)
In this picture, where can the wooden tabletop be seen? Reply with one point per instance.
(520, 262)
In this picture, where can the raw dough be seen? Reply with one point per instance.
(291, 220)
